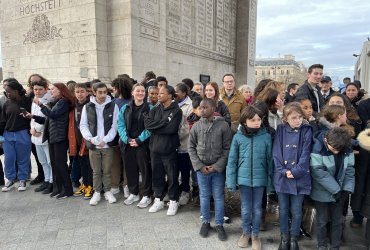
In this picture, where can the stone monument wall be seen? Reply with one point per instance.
(57, 38)
(86, 39)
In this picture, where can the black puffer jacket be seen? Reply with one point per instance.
(56, 124)
(164, 124)
(223, 110)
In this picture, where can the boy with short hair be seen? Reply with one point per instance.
(77, 145)
(40, 89)
(333, 179)
(98, 126)
(209, 145)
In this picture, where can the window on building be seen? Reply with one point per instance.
(282, 72)
(256, 72)
(287, 71)
(268, 72)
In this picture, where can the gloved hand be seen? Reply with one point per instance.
(337, 196)
(341, 196)
(344, 196)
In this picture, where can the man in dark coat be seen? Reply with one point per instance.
(325, 86)
(310, 88)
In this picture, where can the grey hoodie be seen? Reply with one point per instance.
(209, 143)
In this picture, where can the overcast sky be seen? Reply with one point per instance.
(316, 31)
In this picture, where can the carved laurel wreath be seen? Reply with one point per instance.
(42, 30)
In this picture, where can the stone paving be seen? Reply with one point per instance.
(30, 220)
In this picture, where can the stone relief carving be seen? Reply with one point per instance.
(209, 25)
(42, 30)
(149, 19)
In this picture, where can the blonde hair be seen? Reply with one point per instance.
(244, 87)
(290, 108)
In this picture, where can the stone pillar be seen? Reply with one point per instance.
(119, 37)
(246, 42)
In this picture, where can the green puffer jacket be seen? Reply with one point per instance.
(250, 160)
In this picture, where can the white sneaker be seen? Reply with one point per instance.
(95, 199)
(172, 208)
(158, 205)
(110, 197)
(166, 198)
(145, 201)
(184, 198)
(114, 190)
(126, 192)
(8, 186)
(22, 186)
(131, 199)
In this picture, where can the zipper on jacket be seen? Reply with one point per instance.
(252, 162)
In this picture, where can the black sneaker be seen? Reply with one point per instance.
(204, 229)
(49, 189)
(63, 195)
(42, 187)
(8, 186)
(221, 233)
(37, 180)
(54, 194)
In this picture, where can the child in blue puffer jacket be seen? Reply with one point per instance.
(250, 167)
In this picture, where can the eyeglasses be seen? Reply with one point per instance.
(295, 118)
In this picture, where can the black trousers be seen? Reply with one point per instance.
(2, 181)
(59, 166)
(85, 167)
(329, 212)
(136, 159)
(40, 170)
(165, 165)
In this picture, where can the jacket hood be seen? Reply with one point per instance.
(364, 139)
(173, 105)
(325, 123)
(107, 100)
(187, 101)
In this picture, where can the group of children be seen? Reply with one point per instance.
(285, 162)
(291, 162)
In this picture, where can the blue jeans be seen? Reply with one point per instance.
(293, 204)
(17, 147)
(44, 159)
(212, 184)
(251, 208)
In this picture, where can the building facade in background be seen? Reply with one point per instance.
(83, 40)
(362, 67)
(284, 69)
